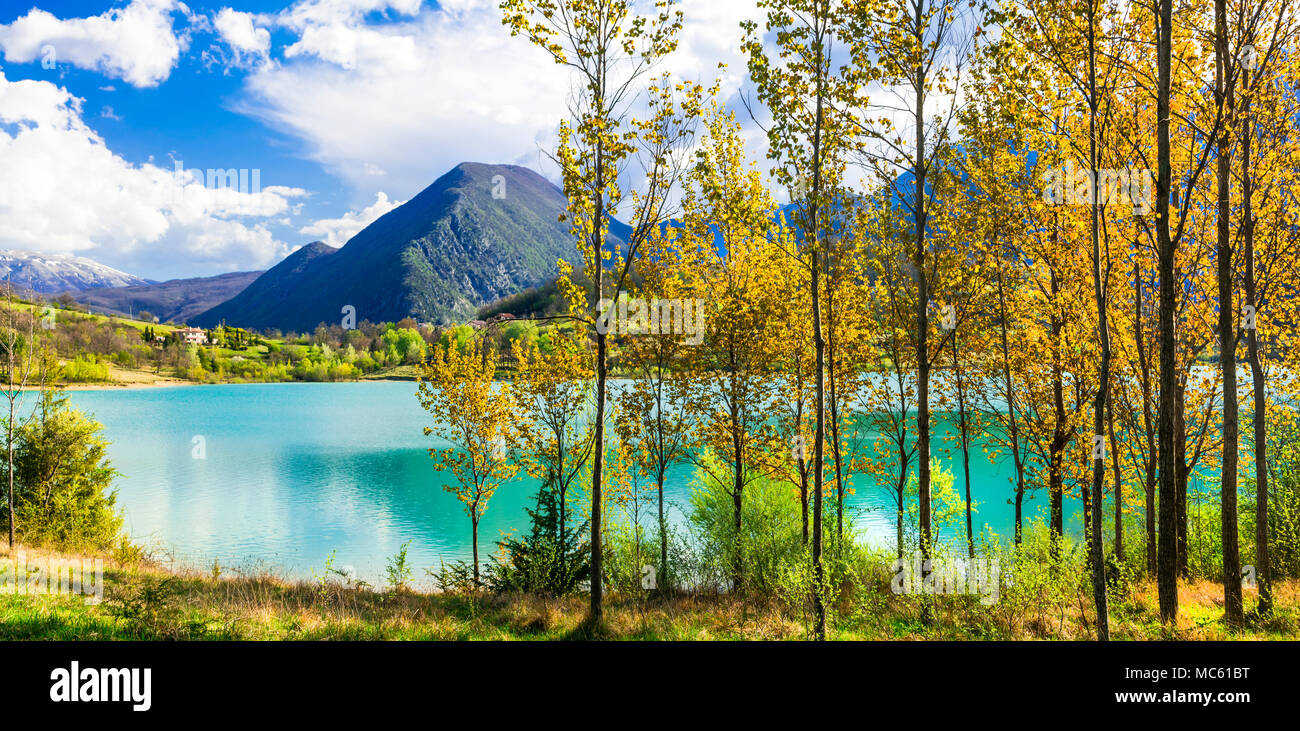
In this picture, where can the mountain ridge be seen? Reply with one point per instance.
(478, 233)
(52, 273)
(174, 300)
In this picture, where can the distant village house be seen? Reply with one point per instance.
(191, 335)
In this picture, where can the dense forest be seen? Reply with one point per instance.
(1039, 231)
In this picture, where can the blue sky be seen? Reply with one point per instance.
(345, 108)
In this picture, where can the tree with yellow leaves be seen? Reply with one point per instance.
(611, 49)
(731, 242)
(480, 422)
(555, 389)
(659, 404)
(812, 103)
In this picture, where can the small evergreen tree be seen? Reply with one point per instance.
(545, 560)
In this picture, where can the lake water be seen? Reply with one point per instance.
(294, 471)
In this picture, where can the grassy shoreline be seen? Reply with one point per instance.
(126, 379)
(145, 601)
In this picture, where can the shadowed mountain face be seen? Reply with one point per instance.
(268, 297)
(175, 300)
(477, 234)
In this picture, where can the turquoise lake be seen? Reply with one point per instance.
(295, 471)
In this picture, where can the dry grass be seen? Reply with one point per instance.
(145, 600)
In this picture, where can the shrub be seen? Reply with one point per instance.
(63, 492)
(770, 537)
(399, 570)
(85, 369)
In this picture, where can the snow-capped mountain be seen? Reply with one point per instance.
(50, 273)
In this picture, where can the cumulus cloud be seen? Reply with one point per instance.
(389, 94)
(336, 32)
(391, 105)
(248, 43)
(337, 231)
(137, 43)
(65, 191)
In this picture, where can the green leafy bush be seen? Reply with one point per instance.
(63, 493)
(85, 369)
(770, 536)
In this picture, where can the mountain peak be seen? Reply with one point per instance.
(487, 170)
(50, 273)
(315, 248)
(490, 182)
(477, 233)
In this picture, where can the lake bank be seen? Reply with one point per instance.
(190, 605)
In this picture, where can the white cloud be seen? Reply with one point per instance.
(392, 101)
(247, 41)
(337, 231)
(64, 191)
(136, 44)
(711, 35)
(335, 31)
(392, 105)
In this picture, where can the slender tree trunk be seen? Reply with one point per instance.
(1149, 487)
(561, 485)
(1263, 570)
(1232, 600)
(922, 308)
(1099, 286)
(917, 33)
(1060, 440)
(737, 495)
(9, 437)
(12, 394)
(835, 416)
(803, 498)
(598, 457)
(1149, 459)
(819, 345)
(474, 531)
(663, 534)
(901, 508)
(965, 443)
(1167, 568)
(838, 457)
(1011, 410)
(818, 445)
(1119, 484)
(1182, 474)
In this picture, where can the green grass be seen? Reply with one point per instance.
(144, 601)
